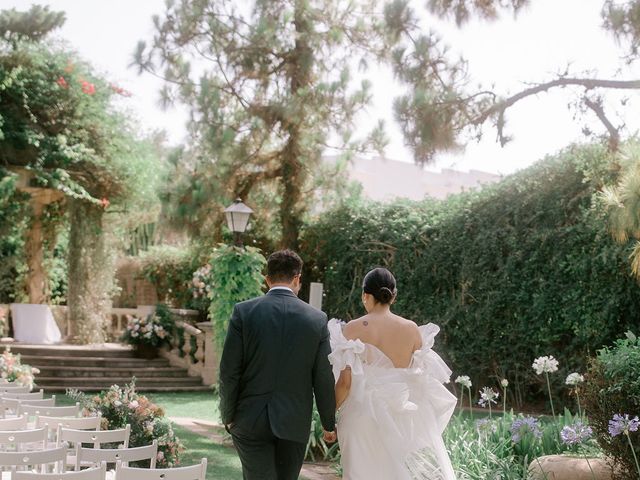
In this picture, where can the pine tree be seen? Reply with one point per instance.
(268, 90)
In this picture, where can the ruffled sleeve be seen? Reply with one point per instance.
(429, 361)
(344, 353)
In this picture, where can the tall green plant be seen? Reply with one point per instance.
(517, 270)
(236, 274)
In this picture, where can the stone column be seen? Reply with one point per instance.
(211, 360)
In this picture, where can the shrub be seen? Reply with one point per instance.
(612, 387)
(170, 269)
(514, 271)
(122, 406)
(236, 275)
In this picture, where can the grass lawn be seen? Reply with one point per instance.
(200, 405)
(223, 462)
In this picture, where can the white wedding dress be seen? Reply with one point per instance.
(390, 426)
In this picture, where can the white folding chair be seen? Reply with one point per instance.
(77, 423)
(39, 395)
(15, 461)
(193, 472)
(16, 423)
(97, 473)
(14, 389)
(15, 440)
(11, 404)
(36, 410)
(81, 423)
(96, 437)
(113, 455)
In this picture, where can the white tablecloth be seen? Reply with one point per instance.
(34, 324)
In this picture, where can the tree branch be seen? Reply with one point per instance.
(614, 133)
(501, 107)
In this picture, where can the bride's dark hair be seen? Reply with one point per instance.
(380, 283)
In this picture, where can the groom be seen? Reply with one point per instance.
(273, 363)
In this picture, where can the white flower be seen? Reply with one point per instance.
(133, 405)
(464, 380)
(504, 383)
(545, 365)
(574, 379)
(117, 403)
(487, 396)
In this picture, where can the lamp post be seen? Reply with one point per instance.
(237, 219)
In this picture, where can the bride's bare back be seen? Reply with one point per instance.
(393, 335)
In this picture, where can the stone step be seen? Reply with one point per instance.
(45, 382)
(115, 371)
(103, 351)
(41, 361)
(139, 388)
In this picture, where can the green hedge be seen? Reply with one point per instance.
(519, 269)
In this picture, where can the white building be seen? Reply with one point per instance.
(383, 179)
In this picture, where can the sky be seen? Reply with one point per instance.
(538, 43)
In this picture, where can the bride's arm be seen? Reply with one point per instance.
(343, 385)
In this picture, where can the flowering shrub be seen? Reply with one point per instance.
(122, 406)
(12, 370)
(154, 330)
(611, 390)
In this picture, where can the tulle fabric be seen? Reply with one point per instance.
(390, 426)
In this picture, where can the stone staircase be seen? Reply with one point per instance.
(97, 367)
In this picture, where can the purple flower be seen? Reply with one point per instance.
(522, 426)
(620, 424)
(576, 434)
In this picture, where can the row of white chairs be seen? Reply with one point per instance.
(51, 459)
(122, 472)
(38, 464)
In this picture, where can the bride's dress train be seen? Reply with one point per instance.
(390, 426)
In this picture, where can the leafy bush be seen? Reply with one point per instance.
(517, 270)
(236, 275)
(122, 406)
(613, 387)
(170, 269)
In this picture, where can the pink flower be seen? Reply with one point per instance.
(62, 82)
(133, 405)
(88, 88)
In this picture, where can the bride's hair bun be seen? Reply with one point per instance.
(385, 295)
(380, 283)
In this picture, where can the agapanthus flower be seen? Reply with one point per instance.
(573, 379)
(576, 434)
(522, 426)
(504, 383)
(620, 424)
(487, 396)
(546, 364)
(464, 380)
(485, 425)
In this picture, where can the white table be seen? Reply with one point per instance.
(34, 324)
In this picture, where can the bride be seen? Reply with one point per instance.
(392, 404)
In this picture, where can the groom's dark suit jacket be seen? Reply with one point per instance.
(275, 358)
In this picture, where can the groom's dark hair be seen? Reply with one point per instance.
(283, 265)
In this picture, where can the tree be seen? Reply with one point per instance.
(59, 131)
(268, 90)
(32, 25)
(441, 111)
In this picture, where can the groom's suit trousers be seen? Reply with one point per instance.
(265, 456)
